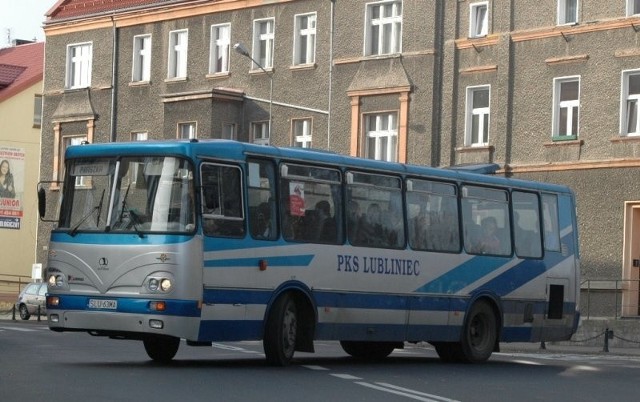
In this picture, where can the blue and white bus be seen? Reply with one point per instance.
(212, 240)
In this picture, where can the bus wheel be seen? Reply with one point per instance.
(281, 332)
(479, 334)
(161, 348)
(369, 350)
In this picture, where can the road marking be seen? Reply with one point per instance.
(234, 348)
(407, 393)
(346, 376)
(317, 368)
(20, 329)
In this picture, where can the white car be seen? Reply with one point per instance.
(32, 297)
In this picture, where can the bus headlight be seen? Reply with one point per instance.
(165, 285)
(159, 282)
(56, 281)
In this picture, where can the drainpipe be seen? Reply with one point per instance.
(331, 26)
(112, 129)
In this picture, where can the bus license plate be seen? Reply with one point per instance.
(103, 304)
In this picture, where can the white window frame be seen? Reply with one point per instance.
(219, 48)
(633, 7)
(572, 106)
(478, 19)
(178, 52)
(306, 36)
(79, 65)
(66, 142)
(260, 132)
(563, 18)
(229, 131)
(301, 132)
(383, 35)
(263, 43)
(629, 106)
(483, 114)
(190, 128)
(141, 64)
(379, 132)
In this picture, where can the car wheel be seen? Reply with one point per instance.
(24, 312)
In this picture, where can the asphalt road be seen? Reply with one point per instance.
(37, 365)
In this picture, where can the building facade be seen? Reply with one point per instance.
(21, 72)
(548, 90)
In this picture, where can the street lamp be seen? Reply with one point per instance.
(240, 49)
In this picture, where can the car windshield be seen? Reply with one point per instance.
(132, 194)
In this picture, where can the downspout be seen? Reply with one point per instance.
(331, 26)
(112, 129)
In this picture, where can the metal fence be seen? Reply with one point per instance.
(612, 298)
(10, 287)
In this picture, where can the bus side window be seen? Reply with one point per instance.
(262, 199)
(550, 222)
(311, 204)
(487, 226)
(526, 225)
(221, 194)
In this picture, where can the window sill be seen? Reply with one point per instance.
(258, 71)
(213, 76)
(301, 67)
(626, 138)
(140, 83)
(564, 138)
(177, 79)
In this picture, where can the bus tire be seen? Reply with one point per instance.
(281, 332)
(479, 333)
(161, 348)
(368, 350)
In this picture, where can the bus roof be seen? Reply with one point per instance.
(238, 151)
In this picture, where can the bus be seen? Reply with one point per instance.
(212, 240)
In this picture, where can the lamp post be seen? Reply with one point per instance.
(239, 48)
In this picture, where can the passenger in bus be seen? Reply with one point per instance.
(446, 235)
(262, 227)
(353, 220)
(326, 225)
(371, 231)
(489, 242)
(424, 231)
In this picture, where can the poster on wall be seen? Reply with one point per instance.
(11, 187)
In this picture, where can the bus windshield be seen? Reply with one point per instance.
(132, 194)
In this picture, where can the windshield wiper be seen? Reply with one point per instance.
(98, 208)
(133, 217)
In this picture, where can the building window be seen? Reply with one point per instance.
(630, 100)
(141, 58)
(304, 42)
(260, 132)
(384, 28)
(139, 136)
(566, 99)
(37, 111)
(633, 7)
(381, 131)
(263, 43)
(567, 12)
(301, 129)
(229, 131)
(68, 141)
(219, 49)
(479, 19)
(187, 131)
(178, 41)
(478, 110)
(79, 65)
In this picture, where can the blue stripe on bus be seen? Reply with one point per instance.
(230, 330)
(119, 239)
(183, 308)
(272, 261)
(463, 275)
